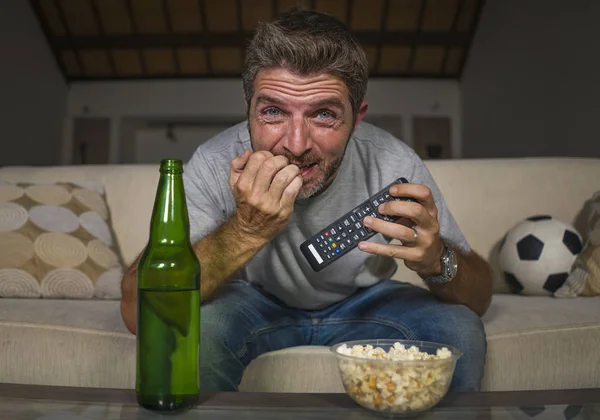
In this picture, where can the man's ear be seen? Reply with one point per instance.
(364, 106)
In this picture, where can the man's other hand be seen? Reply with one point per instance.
(417, 229)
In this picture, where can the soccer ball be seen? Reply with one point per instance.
(537, 254)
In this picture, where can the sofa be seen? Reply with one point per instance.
(534, 342)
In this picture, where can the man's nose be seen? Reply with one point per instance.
(297, 139)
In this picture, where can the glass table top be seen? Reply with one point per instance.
(50, 403)
(18, 409)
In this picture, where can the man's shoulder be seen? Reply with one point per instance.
(227, 141)
(378, 140)
(219, 150)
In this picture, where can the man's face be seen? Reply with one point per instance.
(306, 119)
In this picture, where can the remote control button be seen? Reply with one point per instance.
(338, 238)
(356, 237)
(352, 218)
(342, 246)
(362, 233)
(330, 239)
(387, 196)
(333, 231)
(334, 245)
(346, 222)
(360, 214)
(326, 233)
(358, 225)
(380, 199)
(344, 234)
(337, 251)
(329, 248)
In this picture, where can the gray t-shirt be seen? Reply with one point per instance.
(373, 159)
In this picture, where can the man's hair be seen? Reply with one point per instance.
(305, 43)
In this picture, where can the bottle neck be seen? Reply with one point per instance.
(170, 223)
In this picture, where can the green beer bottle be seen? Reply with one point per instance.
(168, 302)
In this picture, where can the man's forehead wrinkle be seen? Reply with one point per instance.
(293, 86)
(267, 90)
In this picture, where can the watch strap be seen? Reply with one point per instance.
(448, 262)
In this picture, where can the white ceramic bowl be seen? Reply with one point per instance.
(397, 386)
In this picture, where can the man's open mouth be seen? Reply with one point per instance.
(305, 170)
(303, 167)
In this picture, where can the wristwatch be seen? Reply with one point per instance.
(449, 268)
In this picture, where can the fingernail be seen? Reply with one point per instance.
(367, 220)
(362, 246)
(393, 190)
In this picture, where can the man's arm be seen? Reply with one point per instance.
(221, 254)
(472, 285)
(265, 188)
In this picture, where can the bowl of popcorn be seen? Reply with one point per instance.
(400, 377)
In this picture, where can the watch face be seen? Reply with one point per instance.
(449, 268)
(451, 263)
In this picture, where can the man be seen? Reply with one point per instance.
(259, 189)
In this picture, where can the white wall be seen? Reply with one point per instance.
(130, 102)
(151, 145)
(532, 80)
(33, 92)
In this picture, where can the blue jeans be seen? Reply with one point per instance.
(242, 322)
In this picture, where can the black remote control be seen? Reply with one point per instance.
(343, 235)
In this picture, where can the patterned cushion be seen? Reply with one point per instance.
(56, 241)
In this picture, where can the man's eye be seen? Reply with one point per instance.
(325, 114)
(272, 112)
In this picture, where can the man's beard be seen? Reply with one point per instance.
(317, 183)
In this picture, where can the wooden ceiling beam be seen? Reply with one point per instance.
(457, 13)
(414, 45)
(35, 5)
(167, 76)
(134, 27)
(202, 4)
(239, 39)
(471, 35)
(384, 16)
(98, 20)
(169, 26)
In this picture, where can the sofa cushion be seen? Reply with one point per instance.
(533, 343)
(65, 342)
(56, 241)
